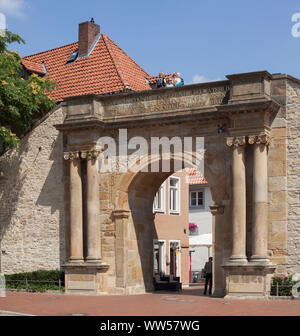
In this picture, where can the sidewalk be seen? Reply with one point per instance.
(190, 302)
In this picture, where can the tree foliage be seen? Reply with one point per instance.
(22, 98)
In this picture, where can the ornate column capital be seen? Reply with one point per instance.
(236, 141)
(90, 154)
(71, 156)
(262, 139)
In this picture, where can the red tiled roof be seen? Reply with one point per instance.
(195, 177)
(33, 66)
(107, 69)
(152, 79)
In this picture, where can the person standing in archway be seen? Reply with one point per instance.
(208, 276)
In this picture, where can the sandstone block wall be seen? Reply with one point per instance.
(293, 179)
(32, 220)
(277, 180)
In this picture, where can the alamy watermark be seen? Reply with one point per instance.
(2, 24)
(296, 290)
(155, 154)
(296, 27)
(2, 286)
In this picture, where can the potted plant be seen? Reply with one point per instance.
(192, 226)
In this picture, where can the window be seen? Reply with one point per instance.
(196, 199)
(73, 57)
(159, 200)
(174, 194)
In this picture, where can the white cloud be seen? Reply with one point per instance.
(12, 7)
(2, 22)
(202, 79)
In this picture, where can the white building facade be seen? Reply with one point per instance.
(200, 239)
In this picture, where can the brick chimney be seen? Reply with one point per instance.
(88, 31)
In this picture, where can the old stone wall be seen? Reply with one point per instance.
(277, 180)
(293, 180)
(32, 220)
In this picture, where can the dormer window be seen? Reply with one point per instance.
(73, 57)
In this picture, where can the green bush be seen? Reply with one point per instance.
(284, 286)
(38, 281)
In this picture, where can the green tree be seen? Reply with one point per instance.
(22, 98)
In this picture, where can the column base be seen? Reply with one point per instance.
(251, 281)
(259, 260)
(85, 278)
(240, 260)
(93, 260)
(76, 260)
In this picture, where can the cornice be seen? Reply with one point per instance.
(170, 117)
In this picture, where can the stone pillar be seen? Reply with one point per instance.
(93, 207)
(260, 199)
(121, 221)
(76, 221)
(238, 200)
(217, 211)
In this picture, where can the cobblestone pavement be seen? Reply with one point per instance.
(190, 302)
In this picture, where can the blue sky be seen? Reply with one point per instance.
(204, 40)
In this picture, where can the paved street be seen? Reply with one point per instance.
(189, 302)
(4, 313)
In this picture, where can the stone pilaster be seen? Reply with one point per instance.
(238, 199)
(93, 224)
(121, 220)
(260, 198)
(76, 221)
(218, 213)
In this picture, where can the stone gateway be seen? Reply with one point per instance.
(59, 210)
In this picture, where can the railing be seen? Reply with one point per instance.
(281, 289)
(35, 285)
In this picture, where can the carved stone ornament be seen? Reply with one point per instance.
(91, 154)
(263, 139)
(236, 141)
(71, 156)
(217, 209)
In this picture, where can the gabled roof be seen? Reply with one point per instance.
(34, 67)
(195, 177)
(107, 69)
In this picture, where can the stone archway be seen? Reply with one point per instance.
(133, 199)
(234, 117)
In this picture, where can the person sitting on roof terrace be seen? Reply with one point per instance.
(161, 81)
(178, 81)
(169, 82)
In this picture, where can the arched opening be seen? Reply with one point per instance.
(136, 193)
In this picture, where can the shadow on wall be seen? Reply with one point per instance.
(14, 175)
(52, 194)
(142, 191)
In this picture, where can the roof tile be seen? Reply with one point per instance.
(107, 69)
(195, 177)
